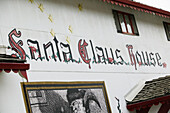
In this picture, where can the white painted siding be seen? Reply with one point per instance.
(96, 23)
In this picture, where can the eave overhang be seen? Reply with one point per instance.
(146, 94)
(9, 63)
(140, 7)
(148, 103)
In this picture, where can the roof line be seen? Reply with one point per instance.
(148, 103)
(143, 6)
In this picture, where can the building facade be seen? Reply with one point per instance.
(93, 50)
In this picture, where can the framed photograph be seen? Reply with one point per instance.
(65, 97)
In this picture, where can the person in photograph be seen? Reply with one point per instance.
(79, 101)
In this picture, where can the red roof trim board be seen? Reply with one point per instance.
(140, 7)
(15, 67)
(149, 103)
(143, 110)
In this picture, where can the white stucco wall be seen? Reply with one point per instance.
(96, 23)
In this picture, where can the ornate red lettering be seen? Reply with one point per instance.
(16, 46)
(83, 52)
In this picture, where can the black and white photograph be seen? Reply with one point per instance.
(65, 97)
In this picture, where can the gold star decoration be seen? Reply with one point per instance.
(31, 1)
(41, 7)
(80, 7)
(50, 18)
(52, 32)
(68, 40)
(70, 29)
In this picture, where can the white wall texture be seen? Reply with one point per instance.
(96, 23)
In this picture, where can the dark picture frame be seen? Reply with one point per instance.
(64, 97)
